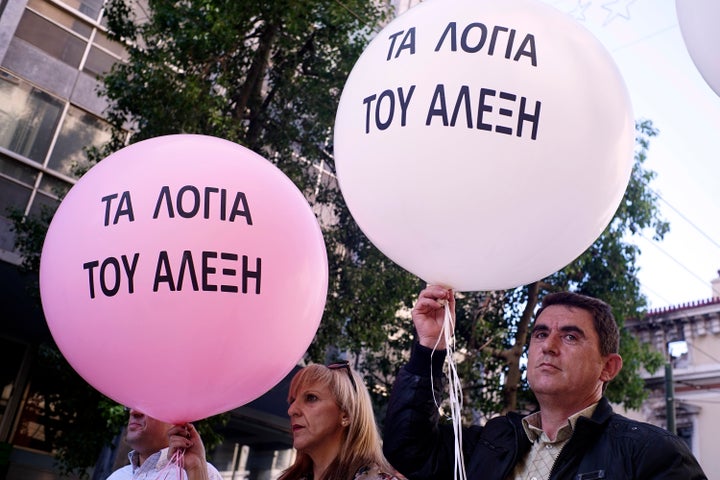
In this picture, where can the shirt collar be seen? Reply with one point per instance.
(532, 424)
(156, 461)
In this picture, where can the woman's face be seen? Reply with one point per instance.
(316, 421)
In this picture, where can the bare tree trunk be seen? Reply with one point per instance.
(512, 355)
(251, 90)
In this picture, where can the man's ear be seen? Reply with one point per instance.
(613, 365)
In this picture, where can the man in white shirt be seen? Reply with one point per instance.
(148, 438)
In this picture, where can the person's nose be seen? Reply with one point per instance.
(136, 413)
(550, 344)
(293, 410)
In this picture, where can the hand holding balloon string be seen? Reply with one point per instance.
(429, 315)
(434, 319)
(187, 451)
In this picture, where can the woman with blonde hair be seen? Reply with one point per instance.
(333, 427)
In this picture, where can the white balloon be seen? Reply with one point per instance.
(483, 144)
(699, 24)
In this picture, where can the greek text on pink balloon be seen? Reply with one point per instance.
(222, 202)
(469, 105)
(110, 273)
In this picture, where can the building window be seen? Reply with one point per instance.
(65, 36)
(18, 172)
(13, 194)
(685, 432)
(98, 62)
(41, 416)
(103, 54)
(79, 130)
(33, 429)
(91, 8)
(11, 357)
(49, 193)
(70, 22)
(29, 122)
(59, 34)
(28, 118)
(678, 353)
(16, 184)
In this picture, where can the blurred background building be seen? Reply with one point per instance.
(685, 396)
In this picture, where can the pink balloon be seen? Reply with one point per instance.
(184, 276)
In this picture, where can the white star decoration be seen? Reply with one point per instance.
(578, 13)
(617, 8)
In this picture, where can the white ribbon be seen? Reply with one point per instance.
(455, 390)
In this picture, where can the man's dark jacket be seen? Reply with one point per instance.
(607, 445)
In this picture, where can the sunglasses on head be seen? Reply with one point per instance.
(346, 365)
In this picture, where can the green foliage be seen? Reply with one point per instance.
(628, 387)
(266, 74)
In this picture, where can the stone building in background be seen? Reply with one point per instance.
(689, 337)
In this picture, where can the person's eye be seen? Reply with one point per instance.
(311, 397)
(539, 335)
(571, 337)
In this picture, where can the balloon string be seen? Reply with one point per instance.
(455, 390)
(176, 464)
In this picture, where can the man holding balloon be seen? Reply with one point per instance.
(574, 435)
(160, 450)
